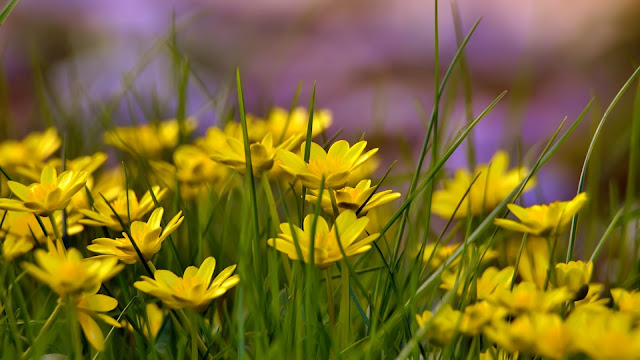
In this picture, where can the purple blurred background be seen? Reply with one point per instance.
(373, 61)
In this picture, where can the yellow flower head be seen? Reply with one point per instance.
(90, 307)
(262, 153)
(89, 164)
(21, 231)
(193, 290)
(574, 275)
(148, 140)
(494, 183)
(52, 193)
(104, 216)
(334, 165)
(282, 126)
(349, 198)
(627, 301)
(147, 236)
(605, 334)
(35, 148)
(536, 334)
(490, 281)
(448, 322)
(543, 220)
(156, 319)
(67, 273)
(348, 228)
(109, 184)
(534, 260)
(196, 171)
(526, 297)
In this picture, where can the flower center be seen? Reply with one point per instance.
(325, 166)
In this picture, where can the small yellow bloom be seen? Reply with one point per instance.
(196, 171)
(490, 281)
(89, 164)
(148, 140)
(52, 193)
(33, 149)
(348, 228)
(147, 236)
(194, 290)
(526, 297)
(109, 184)
(90, 307)
(67, 273)
(156, 319)
(605, 335)
(334, 165)
(349, 198)
(262, 153)
(282, 126)
(543, 220)
(574, 275)
(536, 334)
(627, 301)
(494, 183)
(19, 228)
(104, 216)
(534, 260)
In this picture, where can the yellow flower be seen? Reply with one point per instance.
(194, 290)
(21, 231)
(196, 171)
(494, 183)
(89, 164)
(543, 220)
(574, 275)
(262, 153)
(103, 215)
(627, 301)
(537, 334)
(34, 148)
(52, 193)
(156, 319)
(66, 272)
(282, 126)
(148, 140)
(448, 322)
(334, 165)
(147, 236)
(605, 335)
(534, 261)
(490, 281)
(349, 198)
(89, 308)
(349, 230)
(109, 184)
(526, 297)
(444, 252)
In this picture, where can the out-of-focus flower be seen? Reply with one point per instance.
(349, 198)
(67, 273)
(494, 183)
(574, 275)
(89, 164)
(262, 153)
(448, 322)
(536, 334)
(627, 301)
(147, 236)
(534, 260)
(194, 290)
(605, 334)
(21, 231)
(444, 252)
(149, 140)
(156, 319)
(543, 220)
(334, 165)
(33, 149)
(497, 354)
(90, 307)
(196, 171)
(52, 193)
(490, 281)
(135, 210)
(108, 183)
(282, 126)
(347, 228)
(527, 298)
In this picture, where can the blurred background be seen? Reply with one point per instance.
(373, 60)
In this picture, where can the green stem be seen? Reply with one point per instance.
(45, 329)
(330, 305)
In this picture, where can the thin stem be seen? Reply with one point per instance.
(44, 329)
